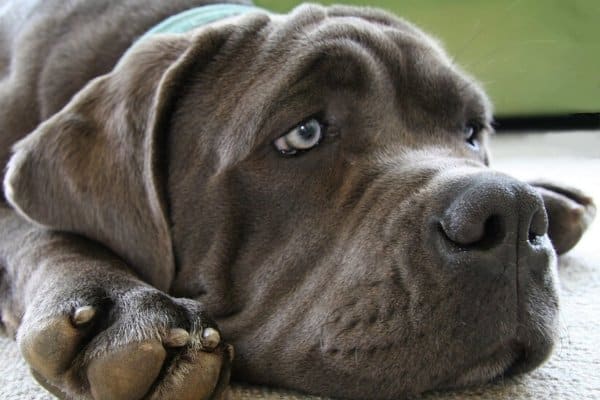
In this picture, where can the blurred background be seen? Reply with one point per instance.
(538, 60)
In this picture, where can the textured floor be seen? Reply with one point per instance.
(573, 372)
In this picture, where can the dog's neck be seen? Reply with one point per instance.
(197, 17)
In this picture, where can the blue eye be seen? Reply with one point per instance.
(471, 133)
(302, 137)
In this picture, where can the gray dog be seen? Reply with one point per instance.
(316, 183)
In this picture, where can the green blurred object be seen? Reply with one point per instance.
(533, 57)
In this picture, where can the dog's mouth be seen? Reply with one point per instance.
(505, 360)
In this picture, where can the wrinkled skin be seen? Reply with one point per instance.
(387, 261)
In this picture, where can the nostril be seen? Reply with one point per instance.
(494, 232)
(480, 235)
(538, 226)
(533, 237)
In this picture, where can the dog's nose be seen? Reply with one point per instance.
(494, 213)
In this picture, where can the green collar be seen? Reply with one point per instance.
(199, 16)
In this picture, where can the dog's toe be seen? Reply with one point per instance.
(195, 374)
(51, 345)
(126, 373)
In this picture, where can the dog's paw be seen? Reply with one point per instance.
(139, 344)
(570, 213)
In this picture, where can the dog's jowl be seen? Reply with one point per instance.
(312, 190)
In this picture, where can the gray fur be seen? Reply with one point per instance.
(388, 261)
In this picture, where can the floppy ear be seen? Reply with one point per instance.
(97, 167)
(570, 213)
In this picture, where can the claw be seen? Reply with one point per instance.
(83, 315)
(177, 338)
(210, 338)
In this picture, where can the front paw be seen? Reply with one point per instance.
(137, 344)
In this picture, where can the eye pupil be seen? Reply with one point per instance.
(303, 137)
(307, 132)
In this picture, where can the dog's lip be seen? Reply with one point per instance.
(493, 364)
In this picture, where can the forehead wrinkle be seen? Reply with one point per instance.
(429, 66)
(381, 49)
(394, 48)
(291, 26)
(272, 88)
(340, 62)
(310, 25)
(374, 15)
(432, 93)
(366, 34)
(368, 43)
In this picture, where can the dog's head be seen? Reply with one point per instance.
(320, 182)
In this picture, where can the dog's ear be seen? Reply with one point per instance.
(96, 168)
(570, 213)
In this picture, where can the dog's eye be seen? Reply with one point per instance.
(471, 133)
(303, 137)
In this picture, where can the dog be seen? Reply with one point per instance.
(311, 189)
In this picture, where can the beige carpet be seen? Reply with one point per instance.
(573, 372)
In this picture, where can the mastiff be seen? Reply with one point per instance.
(312, 190)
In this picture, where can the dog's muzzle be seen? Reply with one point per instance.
(489, 217)
(490, 231)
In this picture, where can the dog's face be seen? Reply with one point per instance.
(319, 182)
(345, 140)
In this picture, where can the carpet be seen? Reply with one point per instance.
(573, 371)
